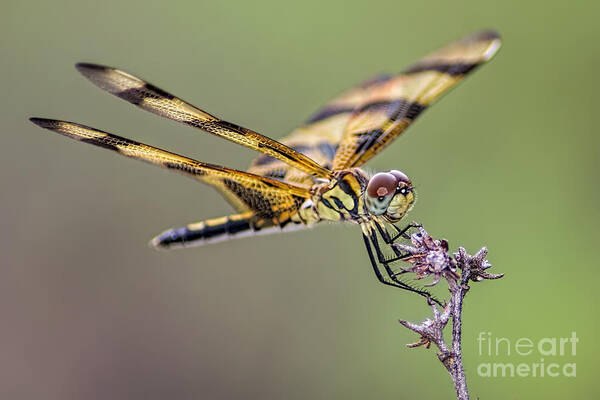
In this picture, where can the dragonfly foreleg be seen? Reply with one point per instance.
(400, 233)
(403, 232)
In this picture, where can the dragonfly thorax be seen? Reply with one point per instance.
(354, 196)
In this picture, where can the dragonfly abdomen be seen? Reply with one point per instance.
(219, 229)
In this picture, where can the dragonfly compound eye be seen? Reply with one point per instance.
(401, 176)
(382, 184)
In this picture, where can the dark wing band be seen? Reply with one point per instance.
(157, 101)
(392, 105)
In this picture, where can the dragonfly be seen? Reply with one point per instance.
(312, 175)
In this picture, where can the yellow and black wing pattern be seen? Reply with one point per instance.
(390, 106)
(157, 101)
(261, 198)
(360, 122)
(319, 137)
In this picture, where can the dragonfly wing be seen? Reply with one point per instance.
(392, 105)
(157, 101)
(267, 198)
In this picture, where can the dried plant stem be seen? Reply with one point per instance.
(456, 368)
(432, 330)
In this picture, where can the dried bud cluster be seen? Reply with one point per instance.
(477, 264)
(428, 257)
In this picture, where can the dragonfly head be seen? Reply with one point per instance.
(389, 194)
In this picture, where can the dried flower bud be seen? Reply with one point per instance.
(428, 257)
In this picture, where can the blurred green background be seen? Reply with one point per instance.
(508, 160)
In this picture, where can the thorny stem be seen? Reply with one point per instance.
(429, 257)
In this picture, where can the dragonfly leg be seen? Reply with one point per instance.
(392, 279)
(378, 273)
(400, 233)
(403, 232)
(389, 240)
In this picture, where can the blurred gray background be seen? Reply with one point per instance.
(508, 160)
